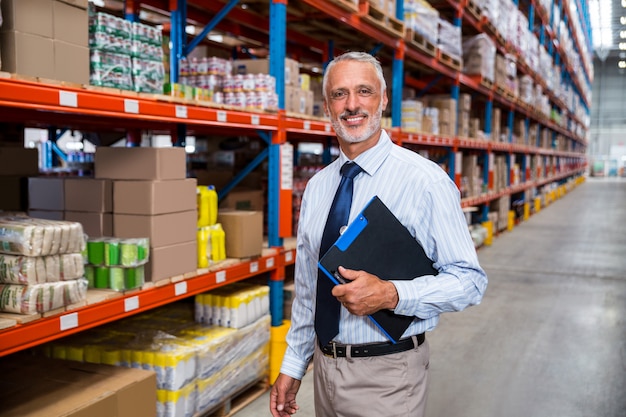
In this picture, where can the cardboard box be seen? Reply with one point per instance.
(261, 66)
(28, 16)
(77, 3)
(35, 386)
(244, 232)
(154, 197)
(94, 224)
(27, 54)
(140, 163)
(47, 214)
(162, 229)
(14, 193)
(46, 193)
(244, 199)
(71, 62)
(173, 260)
(89, 194)
(70, 24)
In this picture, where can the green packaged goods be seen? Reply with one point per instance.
(95, 251)
(134, 277)
(90, 274)
(112, 252)
(116, 279)
(102, 277)
(129, 255)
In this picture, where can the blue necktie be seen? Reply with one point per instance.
(328, 307)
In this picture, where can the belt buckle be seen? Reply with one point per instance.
(334, 349)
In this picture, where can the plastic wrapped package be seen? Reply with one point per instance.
(179, 403)
(234, 306)
(22, 235)
(449, 38)
(233, 377)
(26, 270)
(421, 17)
(479, 56)
(40, 298)
(526, 89)
(490, 9)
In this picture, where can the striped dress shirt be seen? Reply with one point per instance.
(427, 203)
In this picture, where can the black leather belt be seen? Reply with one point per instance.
(335, 350)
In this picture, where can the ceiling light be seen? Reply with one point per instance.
(621, 64)
(190, 30)
(622, 46)
(623, 3)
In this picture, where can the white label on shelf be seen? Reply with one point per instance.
(68, 99)
(69, 321)
(327, 127)
(269, 263)
(458, 163)
(220, 277)
(255, 119)
(289, 256)
(181, 111)
(254, 267)
(180, 288)
(131, 106)
(307, 125)
(131, 303)
(491, 162)
(286, 166)
(221, 116)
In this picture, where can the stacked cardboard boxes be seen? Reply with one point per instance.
(46, 38)
(16, 165)
(153, 198)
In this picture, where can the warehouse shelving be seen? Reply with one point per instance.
(48, 103)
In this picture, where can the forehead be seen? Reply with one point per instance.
(349, 74)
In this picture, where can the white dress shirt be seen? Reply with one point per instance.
(427, 203)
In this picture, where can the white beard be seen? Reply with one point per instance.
(373, 125)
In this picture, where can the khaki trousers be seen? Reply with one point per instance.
(392, 385)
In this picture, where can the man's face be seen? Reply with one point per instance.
(355, 101)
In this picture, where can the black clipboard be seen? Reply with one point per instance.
(376, 242)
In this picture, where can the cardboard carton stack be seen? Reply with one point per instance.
(46, 38)
(153, 198)
(16, 165)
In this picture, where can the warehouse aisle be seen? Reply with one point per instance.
(549, 338)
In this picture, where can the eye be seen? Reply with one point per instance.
(365, 92)
(338, 94)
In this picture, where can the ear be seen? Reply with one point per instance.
(385, 100)
(325, 105)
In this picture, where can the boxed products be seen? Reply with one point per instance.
(140, 163)
(154, 197)
(244, 232)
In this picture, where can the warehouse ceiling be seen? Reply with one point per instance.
(608, 25)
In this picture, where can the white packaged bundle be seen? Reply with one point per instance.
(27, 270)
(22, 235)
(40, 298)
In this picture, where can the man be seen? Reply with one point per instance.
(359, 373)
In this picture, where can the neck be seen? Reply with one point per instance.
(354, 149)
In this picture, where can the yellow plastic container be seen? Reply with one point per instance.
(218, 243)
(278, 346)
(204, 246)
(488, 225)
(537, 204)
(511, 222)
(207, 205)
(526, 211)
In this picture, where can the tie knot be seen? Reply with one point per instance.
(350, 170)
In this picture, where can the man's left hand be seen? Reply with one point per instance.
(365, 293)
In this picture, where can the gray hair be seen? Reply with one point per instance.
(360, 57)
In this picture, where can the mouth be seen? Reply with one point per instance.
(355, 119)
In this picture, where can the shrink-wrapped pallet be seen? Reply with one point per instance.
(40, 298)
(479, 56)
(27, 270)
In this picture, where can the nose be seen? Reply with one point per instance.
(352, 102)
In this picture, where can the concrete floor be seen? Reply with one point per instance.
(549, 339)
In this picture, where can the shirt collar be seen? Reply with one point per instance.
(373, 158)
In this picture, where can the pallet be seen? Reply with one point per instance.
(449, 60)
(474, 10)
(379, 19)
(348, 5)
(420, 42)
(239, 400)
(484, 82)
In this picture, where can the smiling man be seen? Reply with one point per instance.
(358, 372)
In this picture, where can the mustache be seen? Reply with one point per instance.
(356, 112)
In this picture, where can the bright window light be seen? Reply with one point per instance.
(601, 14)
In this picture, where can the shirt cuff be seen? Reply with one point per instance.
(408, 294)
(293, 367)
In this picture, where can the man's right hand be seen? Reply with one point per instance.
(283, 396)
